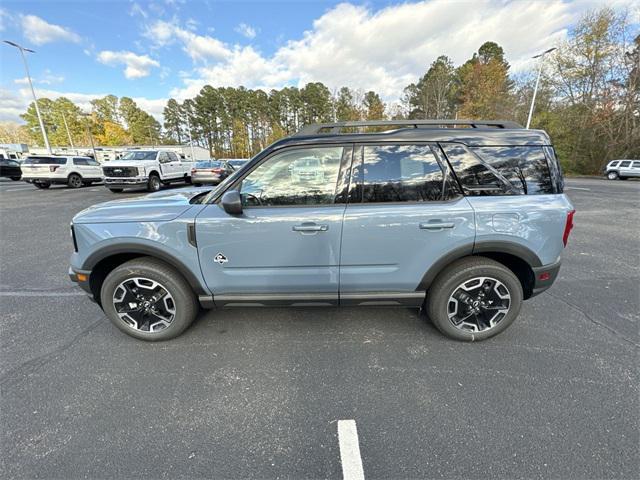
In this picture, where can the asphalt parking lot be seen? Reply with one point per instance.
(257, 393)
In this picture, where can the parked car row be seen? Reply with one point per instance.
(141, 168)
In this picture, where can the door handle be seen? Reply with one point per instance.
(436, 225)
(310, 227)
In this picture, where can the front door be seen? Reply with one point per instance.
(285, 246)
(404, 214)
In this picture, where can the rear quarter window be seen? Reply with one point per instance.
(526, 168)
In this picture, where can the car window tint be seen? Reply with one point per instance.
(525, 167)
(294, 177)
(45, 160)
(80, 161)
(635, 164)
(625, 164)
(399, 173)
(471, 172)
(92, 162)
(614, 164)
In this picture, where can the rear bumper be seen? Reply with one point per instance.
(82, 281)
(200, 178)
(544, 277)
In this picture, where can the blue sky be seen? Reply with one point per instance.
(154, 50)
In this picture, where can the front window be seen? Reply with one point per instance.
(625, 164)
(139, 155)
(294, 177)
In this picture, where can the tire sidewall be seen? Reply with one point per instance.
(437, 307)
(154, 183)
(70, 181)
(179, 290)
(612, 176)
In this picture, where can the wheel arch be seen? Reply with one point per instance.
(102, 262)
(517, 258)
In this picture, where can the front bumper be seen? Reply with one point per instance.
(81, 277)
(544, 277)
(125, 181)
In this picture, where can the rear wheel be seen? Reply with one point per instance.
(116, 190)
(473, 299)
(612, 175)
(153, 185)
(74, 181)
(42, 185)
(148, 299)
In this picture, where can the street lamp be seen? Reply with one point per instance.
(88, 131)
(193, 156)
(535, 90)
(35, 99)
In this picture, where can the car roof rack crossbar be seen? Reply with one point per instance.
(336, 127)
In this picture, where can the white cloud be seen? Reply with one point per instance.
(48, 78)
(137, 66)
(40, 32)
(3, 16)
(246, 30)
(382, 50)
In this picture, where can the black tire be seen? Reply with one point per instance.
(154, 183)
(116, 190)
(74, 181)
(42, 186)
(15, 179)
(187, 179)
(612, 175)
(183, 298)
(452, 278)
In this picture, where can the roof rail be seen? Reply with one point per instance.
(336, 127)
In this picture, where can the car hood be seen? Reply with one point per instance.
(155, 207)
(129, 163)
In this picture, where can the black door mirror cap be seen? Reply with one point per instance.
(232, 202)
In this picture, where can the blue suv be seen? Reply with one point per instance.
(463, 218)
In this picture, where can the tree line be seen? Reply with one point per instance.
(588, 101)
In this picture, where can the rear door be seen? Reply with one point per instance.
(404, 214)
(285, 246)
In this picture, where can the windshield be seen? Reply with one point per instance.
(139, 156)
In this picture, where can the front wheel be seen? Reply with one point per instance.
(154, 183)
(612, 175)
(474, 298)
(148, 299)
(74, 181)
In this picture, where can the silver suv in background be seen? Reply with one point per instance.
(622, 169)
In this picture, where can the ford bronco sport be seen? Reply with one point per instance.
(464, 218)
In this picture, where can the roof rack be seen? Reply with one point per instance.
(336, 127)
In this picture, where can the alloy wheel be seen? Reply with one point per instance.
(144, 304)
(478, 304)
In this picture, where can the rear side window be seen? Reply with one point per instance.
(625, 164)
(400, 173)
(475, 176)
(526, 168)
(635, 164)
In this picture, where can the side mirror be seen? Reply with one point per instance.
(232, 202)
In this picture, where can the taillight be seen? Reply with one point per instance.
(568, 226)
(53, 168)
(193, 170)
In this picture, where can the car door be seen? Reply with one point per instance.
(624, 169)
(175, 165)
(94, 170)
(404, 214)
(165, 166)
(285, 246)
(635, 168)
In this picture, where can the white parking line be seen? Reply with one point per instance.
(350, 450)
(16, 189)
(578, 188)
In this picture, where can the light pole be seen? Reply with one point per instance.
(193, 156)
(535, 90)
(88, 130)
(33, 92)
(64, 119)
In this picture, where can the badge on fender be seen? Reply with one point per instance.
(220, 258)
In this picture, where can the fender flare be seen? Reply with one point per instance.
(146, 250)
(478, 248)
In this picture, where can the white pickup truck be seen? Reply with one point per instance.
(146, 168)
